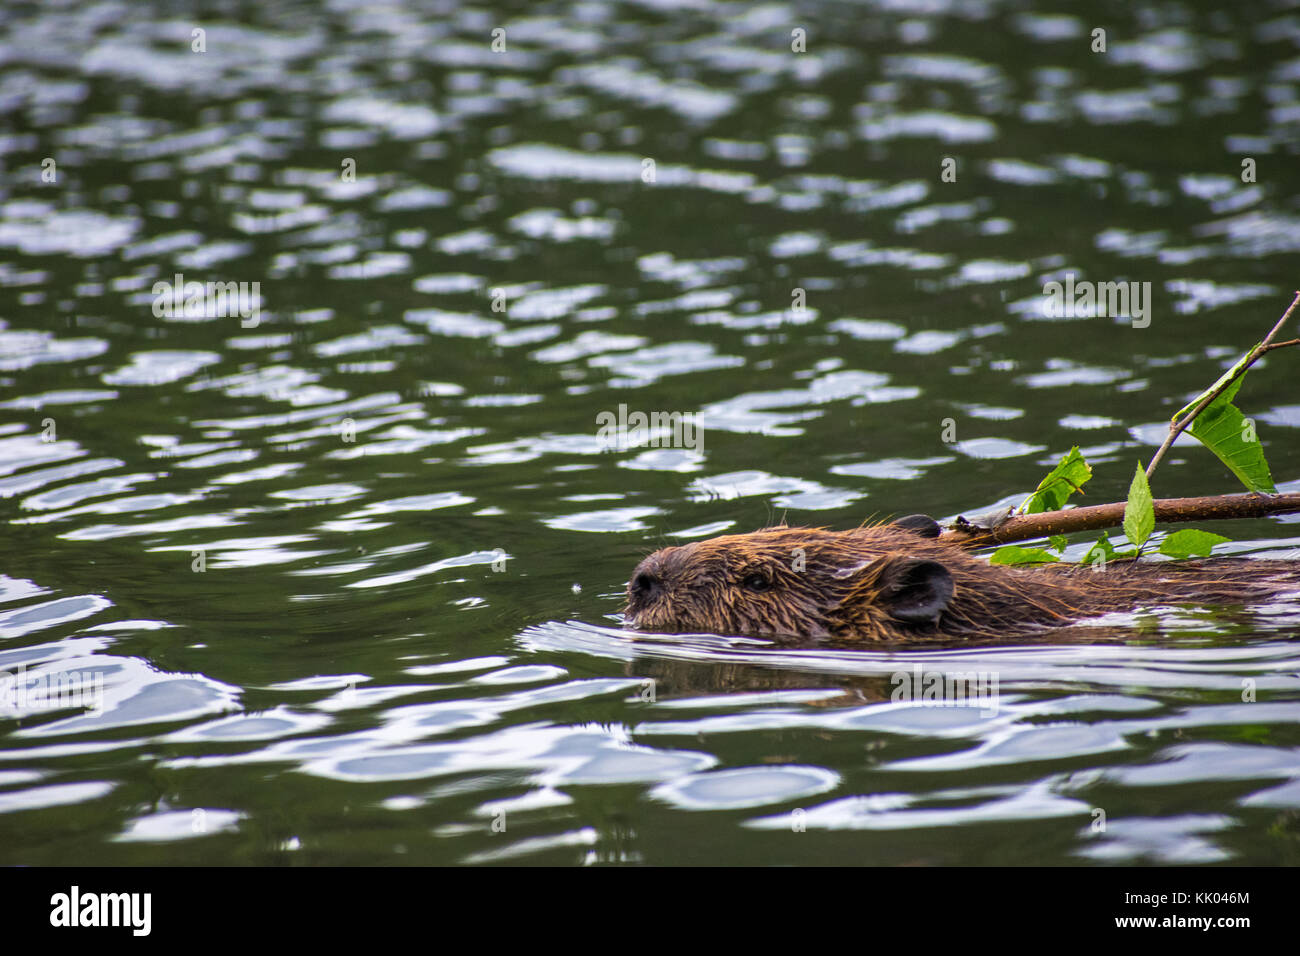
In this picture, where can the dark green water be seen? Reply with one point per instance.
(404, 643)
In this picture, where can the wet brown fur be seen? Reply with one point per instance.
(853, 584)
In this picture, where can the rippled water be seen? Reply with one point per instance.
(343, 569)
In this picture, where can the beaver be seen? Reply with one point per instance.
(900, 582)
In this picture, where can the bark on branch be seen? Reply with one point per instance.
(1097, 517)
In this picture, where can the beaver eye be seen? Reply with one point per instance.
(756, 582)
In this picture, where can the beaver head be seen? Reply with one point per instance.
(901, 582)
(806, 582)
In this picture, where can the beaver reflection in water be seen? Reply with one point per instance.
(900, 582)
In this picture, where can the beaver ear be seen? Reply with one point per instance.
(923, 525)
(916, 591)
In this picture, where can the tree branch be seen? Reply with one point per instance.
(1177, 426)
(1095, 517)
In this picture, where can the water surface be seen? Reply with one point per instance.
(346, 580)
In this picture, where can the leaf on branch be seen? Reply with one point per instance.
(1222, 429)
(1228, 392)
(1140, 511)
(1058, 542)
(1190, 543)
(1069, 476)
(1104, 552)
(1013, 554)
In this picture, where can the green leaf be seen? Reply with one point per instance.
(1069, 476)
(1013, 554)
(1222, 429)
(1058, 542)
(1191, 543)
(1228, 393)
(1104, 552)
(1140, 511)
